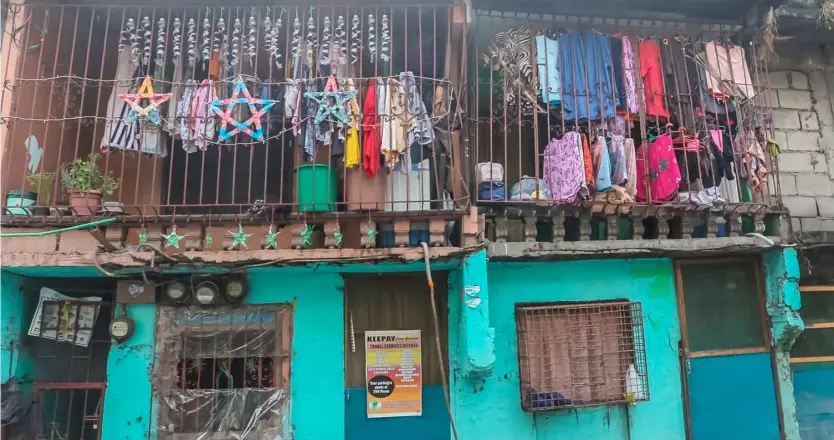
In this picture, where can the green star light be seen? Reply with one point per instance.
(239, 238)
(172, 239)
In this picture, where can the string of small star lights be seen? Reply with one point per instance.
(331, 102)
(255, 115)
(151, 111)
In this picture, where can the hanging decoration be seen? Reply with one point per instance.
(312, 38)
(154, 99)
(219, 36)
(307, 235)
(131, 36)
(253, 30)
(324, 52)
(192, 42)
(271, 33)
(337, 236)
(356, 39)
(385, 39)
(272, 238)
(236, 29)
(172, 239)
(146, 50)
(296, 39)
(372, 37)
(239, 238)
(206, 39)
(143, 235)
(160, 42)
(254, 119)
(331, 102)
(209, 239)
(176, 35)
(340, 40)
(371, 233)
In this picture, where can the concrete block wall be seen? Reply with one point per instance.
(802, 88)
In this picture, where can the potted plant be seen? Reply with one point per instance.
(87, 184)
(41, 183)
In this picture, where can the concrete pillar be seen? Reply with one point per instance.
(477, 338)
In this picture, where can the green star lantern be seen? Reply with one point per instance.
(143, 236)
(307, 235)
(272, 239)
(239, 238)
(172, 239)
(371, 234)
(338, 237)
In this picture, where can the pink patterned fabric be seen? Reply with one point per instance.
(563, 172)
(664, 173)
(628, 73)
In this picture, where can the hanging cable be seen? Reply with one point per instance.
(437, 340)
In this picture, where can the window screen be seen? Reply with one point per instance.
(723, 305)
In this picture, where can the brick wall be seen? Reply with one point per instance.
(802, 88)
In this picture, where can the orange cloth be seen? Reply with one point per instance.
(652, 74)
(589, 163)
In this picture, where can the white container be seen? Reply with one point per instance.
(409, 191)
(489, 172)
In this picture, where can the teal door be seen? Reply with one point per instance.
(731, 393)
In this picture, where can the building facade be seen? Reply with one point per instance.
(453, 221)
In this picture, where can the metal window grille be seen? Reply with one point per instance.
(224, 370)
(581, 354)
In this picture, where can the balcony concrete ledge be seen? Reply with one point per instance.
(567, 250)
(283, 257)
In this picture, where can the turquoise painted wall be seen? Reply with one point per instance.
(489, 408)
(128, 403)
(12, 327)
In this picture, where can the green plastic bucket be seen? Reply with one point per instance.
(317, 188)
(16, 200)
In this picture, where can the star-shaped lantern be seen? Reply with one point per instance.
(143, 236)
(371, 233)
(172, 239)
(331, 102)
(246, 126)
(307, 235)
(239, 238)
(151, 111)
(272, 239)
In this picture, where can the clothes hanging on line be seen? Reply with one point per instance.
(652, 73)
(547, 61)
(586, 69)
(562, 170)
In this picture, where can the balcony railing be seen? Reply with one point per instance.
(596, 128)
(232, 111)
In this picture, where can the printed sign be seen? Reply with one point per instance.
(394, 373)
(61, 322)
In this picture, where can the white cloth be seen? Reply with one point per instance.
(118, 133)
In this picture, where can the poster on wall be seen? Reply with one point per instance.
(60, 321)
(393, 373)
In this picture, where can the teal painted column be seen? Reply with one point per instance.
(477, 338)
(11, 327)
(128, 412)
(781, 268)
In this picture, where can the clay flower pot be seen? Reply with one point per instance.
(85, 202)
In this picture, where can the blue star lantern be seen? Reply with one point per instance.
(255, 119)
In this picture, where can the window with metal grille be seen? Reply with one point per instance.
(581, 354)
(224, 369)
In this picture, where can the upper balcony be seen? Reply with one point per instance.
(268, 115)
(596, 128)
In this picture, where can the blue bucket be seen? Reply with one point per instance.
(17, 200)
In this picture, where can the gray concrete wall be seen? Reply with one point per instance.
(802, 88)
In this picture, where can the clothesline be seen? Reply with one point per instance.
(227, 80)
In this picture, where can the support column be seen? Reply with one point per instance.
(477, 337)
(128, 410)
(781, 268)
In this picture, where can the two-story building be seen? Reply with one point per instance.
(447, 221)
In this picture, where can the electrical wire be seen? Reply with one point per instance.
(58, 231)
(437, 340)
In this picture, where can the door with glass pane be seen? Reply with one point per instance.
(725, 348)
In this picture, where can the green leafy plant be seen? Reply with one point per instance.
(42, 184)
(84, 175)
